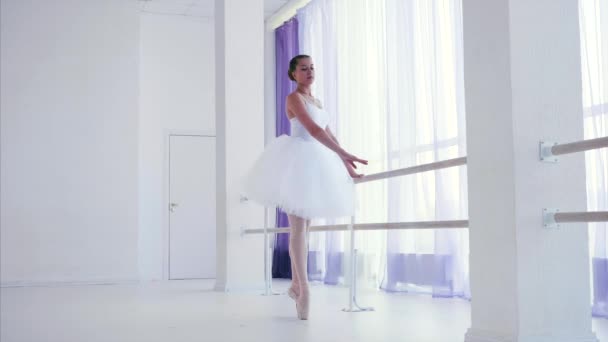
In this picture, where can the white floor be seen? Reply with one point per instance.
(179, 311)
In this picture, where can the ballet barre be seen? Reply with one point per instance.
(549, 150)
(413, 169)
(368, 226)
(552, 217)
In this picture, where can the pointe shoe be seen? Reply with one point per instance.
(292, 293)
(303, 305)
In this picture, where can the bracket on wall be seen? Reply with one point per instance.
(545, 153)
(549, 218)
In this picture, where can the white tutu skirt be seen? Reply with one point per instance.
(303, 178)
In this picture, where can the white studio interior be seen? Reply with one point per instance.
(128, 127)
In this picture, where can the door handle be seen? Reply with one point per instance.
(172, 206)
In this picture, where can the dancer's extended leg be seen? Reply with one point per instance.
(294, 289)
(299, 258)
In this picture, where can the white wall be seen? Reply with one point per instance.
(240, 131)
(176, 94)
(68, 141)
(269, 86)
(270, 104)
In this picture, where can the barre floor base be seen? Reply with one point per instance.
(189, 311)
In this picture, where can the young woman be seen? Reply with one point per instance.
(308, 174)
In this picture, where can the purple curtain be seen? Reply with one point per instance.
(600, 283)
(286, 47)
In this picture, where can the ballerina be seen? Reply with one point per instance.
(308, 174)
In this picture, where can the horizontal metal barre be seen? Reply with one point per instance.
(413, 169)
(590, 216)
(370, 226)
(444, 164)
(580, 146)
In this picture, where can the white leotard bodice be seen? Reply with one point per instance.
(318, 115)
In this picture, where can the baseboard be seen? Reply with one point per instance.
(79, 282)
(590, 337)
(476, 335)
(220, 286)
(473, 335)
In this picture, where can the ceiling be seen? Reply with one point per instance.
(197, 8)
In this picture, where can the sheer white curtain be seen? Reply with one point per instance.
(401, 104)
(363, 73)
(391, 72)
(594, 61)
(317, 37)
(426, 123)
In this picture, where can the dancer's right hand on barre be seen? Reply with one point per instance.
(352, 172)
(351, 159)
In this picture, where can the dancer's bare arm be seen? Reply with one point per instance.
(349, 168)
(295, 106)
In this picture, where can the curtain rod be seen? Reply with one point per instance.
(284, 13)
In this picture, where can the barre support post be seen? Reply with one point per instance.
(353, 306)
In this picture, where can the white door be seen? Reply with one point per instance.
(191, 207)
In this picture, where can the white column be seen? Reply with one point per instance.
(269, 84)
(239, 33)
(522, 85)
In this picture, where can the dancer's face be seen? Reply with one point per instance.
(305, 72)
